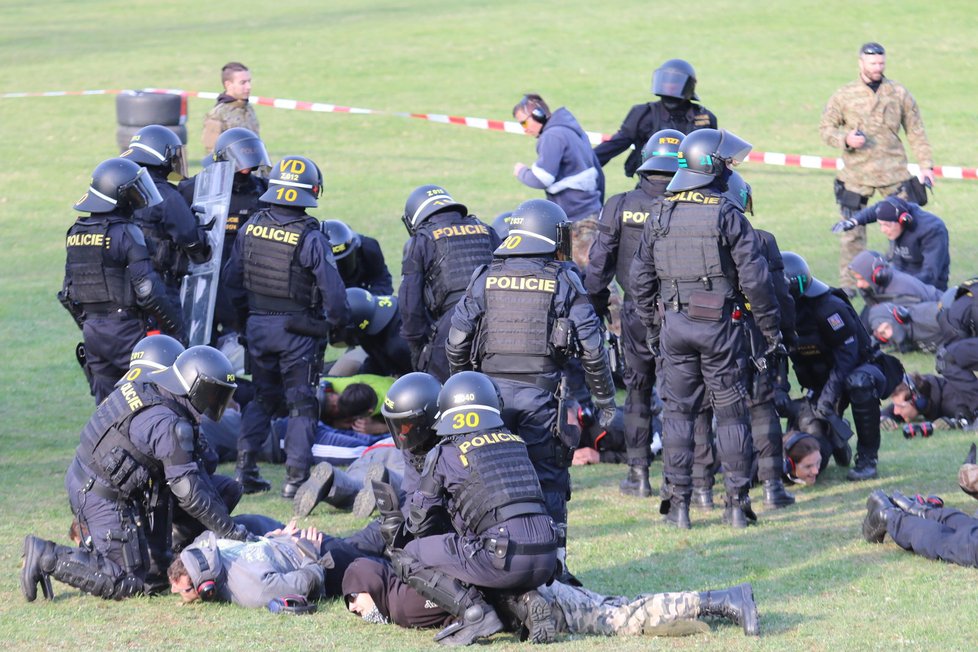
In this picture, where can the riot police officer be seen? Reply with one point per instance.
(619, 233)
(446, 245)
(110, 287)
(136, 450)
(698, 253)
(501, 536)
(837, 362)
(521, 317)
(674, 82)
(359, 259)
(173, 237)
(376, 326)
(284, 283)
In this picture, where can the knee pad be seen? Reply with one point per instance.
(731, 395)
(731, 413)
(861, 387)
(305, 406)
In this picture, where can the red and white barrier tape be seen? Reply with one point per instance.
(767, 158)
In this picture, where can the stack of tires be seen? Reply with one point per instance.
(137, 109)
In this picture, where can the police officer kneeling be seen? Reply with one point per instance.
(500, 536)
(137, 448)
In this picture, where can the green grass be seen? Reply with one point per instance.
(765, 69)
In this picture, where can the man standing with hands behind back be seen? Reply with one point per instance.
(863, 119)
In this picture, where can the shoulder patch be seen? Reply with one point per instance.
(836, 322)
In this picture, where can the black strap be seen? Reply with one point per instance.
(89, 485)
(544, 382)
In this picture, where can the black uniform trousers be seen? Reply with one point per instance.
(945, 534)
(109, 341)
(639, 377)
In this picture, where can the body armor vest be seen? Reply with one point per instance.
(106, 448)
(658, 117)
(519, 318)
(501, 483)
(272, 275)
(690, 254)
(98, 282)
(633, 213)
(460, 248)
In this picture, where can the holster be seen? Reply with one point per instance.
(848, 199)
(74, 309)
(706, 306)
(304, 324)
(915, 191)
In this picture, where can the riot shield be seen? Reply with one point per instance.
(198, 294)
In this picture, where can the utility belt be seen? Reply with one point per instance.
(89, 485)
(554, 450)
(106, 311)
(547, 384)
(702, 305)
(261, 303)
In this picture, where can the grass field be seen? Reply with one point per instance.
(765, 69)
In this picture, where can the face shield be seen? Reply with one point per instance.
(141, 191)
(409, 430)
(732, 150)
(668, 82)
(247, 154)
(563, 241)
(211, 396)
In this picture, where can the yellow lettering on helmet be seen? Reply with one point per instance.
(291, 165)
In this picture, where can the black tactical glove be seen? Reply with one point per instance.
(606, 412)
(844, 225)
(652, 341)
(782, 403)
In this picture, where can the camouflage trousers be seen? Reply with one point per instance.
(582, 235)
(579, 611)
(854, 241)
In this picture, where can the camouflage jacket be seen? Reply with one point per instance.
(224, 116)
(882, 161)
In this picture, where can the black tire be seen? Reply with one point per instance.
(138, 109)
(124, 134)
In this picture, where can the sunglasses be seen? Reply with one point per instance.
(872, 48)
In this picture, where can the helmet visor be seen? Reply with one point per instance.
(211, 396)
(247, 154)
(141, 191)
(408, 429)
(670, 83)
(732, 150)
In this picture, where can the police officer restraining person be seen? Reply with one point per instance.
(674, 82)
(173, 236)
(837, 361)
(619, 234)
(521, 318)
(137, 449)
(445, 246)
(479, 475)
(284, 283)
(110, 287)
(359, 259)
(698, 259)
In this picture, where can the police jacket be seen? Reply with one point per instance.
(959, 320)
(566, 167)
(832, 342)
(642, 121)
(106, 261)
(506, 320)
(282, 263)
(246, 189)
(371, 270)
(786, 304)
(172, 234)
(620, 233)
(699, 241)
(438, 261)
(387, 352)
(481, 479)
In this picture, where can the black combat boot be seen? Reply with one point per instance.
(842, 454)
(879, 509)
(918, 505)
(636, 483)
(736, 604)
(702, 498)
(313, 490)
(865, 469)
(775, 495)
(247, 475)
(678, 513)
(364, 501)
(38, 563)
(294, 478)
(738, 513)
(530, 615)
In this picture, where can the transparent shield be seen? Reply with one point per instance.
(212, 196)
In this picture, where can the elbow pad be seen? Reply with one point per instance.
(198, 500)
(597, 374)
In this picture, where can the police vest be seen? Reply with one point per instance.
(501, 483)
(519, 318)
(275, 280)
(658, 117)
(99, 282)
(812, 357)
(633, 212)
(105, 447)
(460, 247)
(689, 251)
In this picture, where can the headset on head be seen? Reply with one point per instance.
(536, 111)
(207, 589)
(882, 273)
(919, 400)
(789, 464)
(905, 217)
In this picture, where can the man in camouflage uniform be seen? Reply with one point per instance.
(863, 119)
(232, 108)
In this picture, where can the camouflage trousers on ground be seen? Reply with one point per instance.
(583, 233)
(854, 241)
(579, 611)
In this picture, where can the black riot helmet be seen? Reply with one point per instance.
(661, 152)
(294, 181)
(739, 192)
(119, 184)
(242, 147)
(369, 313)
(537, 227)
(799, 278)
(204, 375)
(158, 147)
(704, 155)
(468, 401)
(425, 201)
(345, 243)
(501, 224)
(410, 408)
(675, 78)
(152, 353)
